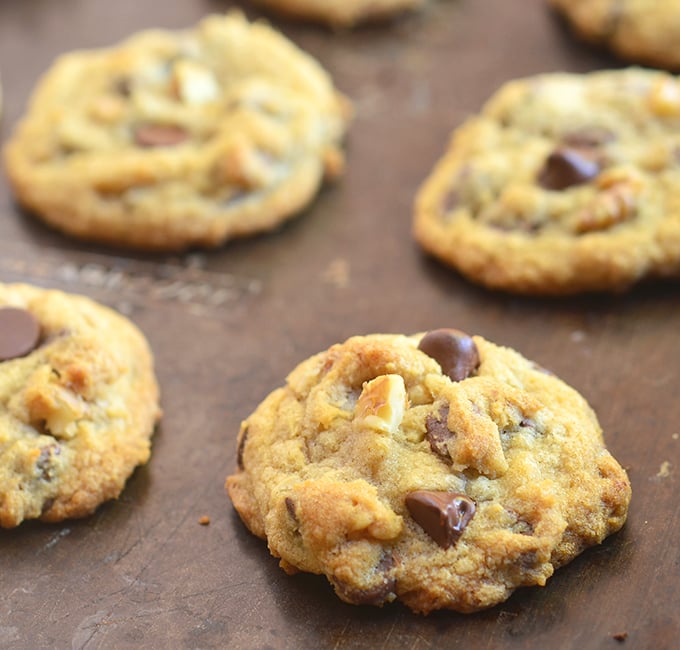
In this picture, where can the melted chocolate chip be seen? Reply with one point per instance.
(374, 595)
(438, 433)
(453, 350)
(159, 135)
(19, 333)
(566, 167)
(442, 515)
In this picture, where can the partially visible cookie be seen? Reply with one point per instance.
(79, 403)
(643, 31)
(439, 469)
(564, 183)
(173, 140)
(341, 13)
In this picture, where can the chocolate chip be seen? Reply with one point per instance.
(19, 333)
(241, 446)
(442, 515)
(123, 86)
(290, 506)
(159, 135)
(438, 433)
(45, 465)
(588, 138)
(453, 350)
(566, 167)
(374, 595)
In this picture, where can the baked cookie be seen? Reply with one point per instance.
(439, 469)
(341, 13)
(642, 31)
(564, 183)
(178, 139)
(79, 404)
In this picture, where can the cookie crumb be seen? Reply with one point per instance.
(620, 636)
(204, 520)
(664, 470)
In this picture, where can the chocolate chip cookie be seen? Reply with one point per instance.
(341, 13)
(563, 183)
(79, 404)
(643, 31)
(439, 469)
(183, 139)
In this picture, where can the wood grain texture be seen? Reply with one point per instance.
(142, 572)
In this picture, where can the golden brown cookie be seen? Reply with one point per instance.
(79, 404)
(564, 183)
(642, 31)
(341, 13)
(172, 140)
(439, 469)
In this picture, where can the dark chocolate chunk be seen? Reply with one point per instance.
(453, 350)
(290, 506)
(19, 333)
(438, 433)
(566, 167)
(442, 515)
(159, 135)
(588, 138)
(376, 594)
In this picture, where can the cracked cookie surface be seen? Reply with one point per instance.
(173, 140)
(440, 469)
(341, 13)
(641, 31)
(563, 183)
(78, 404)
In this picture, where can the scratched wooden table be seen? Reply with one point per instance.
(227, 325)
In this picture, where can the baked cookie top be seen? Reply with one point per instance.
(178, 139)
(642, 31)
(563, 183)
(78, 404)
(341, 13)
(440, 469)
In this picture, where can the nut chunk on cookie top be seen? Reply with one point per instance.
(438, 469)
(563, 184)
(173, 140)
(79, 401)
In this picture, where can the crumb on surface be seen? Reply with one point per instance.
(620, 636)
(204, 520)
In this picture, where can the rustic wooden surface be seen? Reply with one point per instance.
(142, 572)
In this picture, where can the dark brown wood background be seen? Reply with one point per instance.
(226, 327)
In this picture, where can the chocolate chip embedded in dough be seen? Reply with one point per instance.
(438, 433)
(442, 515)
(241, 447)
(374, 595)
(566, 167)
(453, 350)
(19, 333)
(159, 135)
(45, 464)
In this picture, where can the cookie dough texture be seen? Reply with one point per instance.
(642, 31)
(76, 413)
(563, 183)
(183, 139)
(341, 13)
(326, 462)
